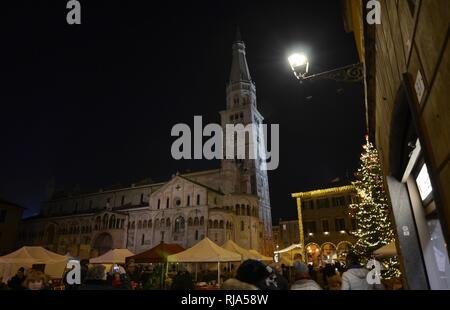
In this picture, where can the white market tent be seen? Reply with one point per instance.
(115, 256)
(289, 248)
(387, 250)
(261, 257)
(233, 247)
(28, 256)
(286, 255)
(206, 251)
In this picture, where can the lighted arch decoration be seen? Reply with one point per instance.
(328, 251)
(342, 249)
(313, 252)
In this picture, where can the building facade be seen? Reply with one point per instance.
(285, 234)
(10, 216)
(325, 224)
(407, 64)
(227, 203)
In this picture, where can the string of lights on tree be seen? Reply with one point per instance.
(372, 212)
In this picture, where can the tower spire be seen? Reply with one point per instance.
(239, 68)
(238, 35)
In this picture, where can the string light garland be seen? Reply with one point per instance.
(372, 212)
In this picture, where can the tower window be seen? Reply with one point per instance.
(231, 117)
(142, 198)
(159, 203)
(188, 200)
(198, 199)
(242, 115)
(167, 203)
(242, 225)
(123, 200)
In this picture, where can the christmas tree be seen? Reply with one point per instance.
(372, 212)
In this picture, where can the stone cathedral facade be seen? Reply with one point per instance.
(227, 203)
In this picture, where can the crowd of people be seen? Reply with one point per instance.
(250, 275)
(255, 275)
(31, 280)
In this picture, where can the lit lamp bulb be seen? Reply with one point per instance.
(299, 64)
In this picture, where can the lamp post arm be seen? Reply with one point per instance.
(351, 73)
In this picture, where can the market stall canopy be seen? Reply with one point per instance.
(28, 256)
(157, 254)
(233, 247)
(387, 250)
(292, 247)
(115, 256)
(261, 257)
(205, 251)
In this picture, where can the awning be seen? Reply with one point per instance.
(387, 250)
(259, 256)
(289, 248)
(206, 251)
(28, 256)
(157, 254)
(230, 245)
(115, 256)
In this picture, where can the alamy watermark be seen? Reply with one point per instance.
(374, 275)
(73, 276)
(241, 142)
(373, 12)
(74, 15)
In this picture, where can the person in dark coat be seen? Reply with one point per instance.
(273, 281)
(15, 283)
(183, 281)
(96, 279)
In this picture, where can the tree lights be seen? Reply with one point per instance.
(372, 213)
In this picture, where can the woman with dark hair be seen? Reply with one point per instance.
(248, 276)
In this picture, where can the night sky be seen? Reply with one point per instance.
(93, 104)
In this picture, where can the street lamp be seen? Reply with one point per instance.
(300, 66)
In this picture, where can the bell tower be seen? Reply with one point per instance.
(245, 176)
